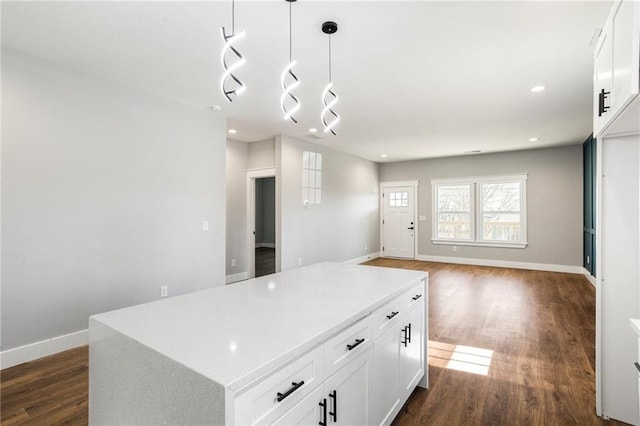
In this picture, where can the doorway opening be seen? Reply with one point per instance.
(262, 223)
(265, 226)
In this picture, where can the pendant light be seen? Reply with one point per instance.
(229, 83)
(329, 98)
(289, 81)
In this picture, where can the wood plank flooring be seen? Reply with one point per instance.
(534, 330)
(265, 261)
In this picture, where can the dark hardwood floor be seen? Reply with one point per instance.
(529, 334)
(265, 261)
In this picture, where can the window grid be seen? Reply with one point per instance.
(311, 177)
(495, 213)
(398, 199)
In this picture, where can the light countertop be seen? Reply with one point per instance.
(635, 324)
(236, 333)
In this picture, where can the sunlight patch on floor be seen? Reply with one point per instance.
(460, 357)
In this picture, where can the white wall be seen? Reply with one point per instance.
(554, 201)
(236, 186)
(104, 190)
(348, 217)
(261, 155)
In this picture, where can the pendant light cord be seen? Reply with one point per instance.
(233, 17)
(290, 39)
(329, 59)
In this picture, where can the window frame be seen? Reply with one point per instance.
(477, 212)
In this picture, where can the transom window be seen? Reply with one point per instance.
(487, 211)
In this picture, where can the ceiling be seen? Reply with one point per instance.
(415, 79)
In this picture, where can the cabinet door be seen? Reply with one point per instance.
(386, 376)
(348, 392)
(625, 57)
(306, 412)
(603, 78)
(412, 352)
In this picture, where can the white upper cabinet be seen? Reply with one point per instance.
(617, 76)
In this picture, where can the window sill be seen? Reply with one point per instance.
(479, 243)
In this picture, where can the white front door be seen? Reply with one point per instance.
(399, 222)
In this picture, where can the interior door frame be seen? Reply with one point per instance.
(391, 184)
(252, 175)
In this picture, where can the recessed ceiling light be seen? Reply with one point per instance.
(313, 130)
(232, 131)
(538, 88)
(383, 155)
(533, 139)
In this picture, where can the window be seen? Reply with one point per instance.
(311, 177)
(398, 199)
(487, 211)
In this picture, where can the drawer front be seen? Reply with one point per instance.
(386, 317)
(347, 345)
(413, 297)
(279, 392)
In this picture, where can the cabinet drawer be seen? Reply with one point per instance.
(347, 345)
(413, 297)
(260, 405)
(386, 317)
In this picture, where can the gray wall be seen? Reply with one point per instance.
(346, 221)
(554, 201)
(236, 185)
(104, 191)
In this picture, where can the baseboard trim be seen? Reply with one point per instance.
(265, 245)
(240, 276)
(504, 264)
(590, 277)
(362, 258)
(36, 350)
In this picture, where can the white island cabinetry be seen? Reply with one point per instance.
(298, 347)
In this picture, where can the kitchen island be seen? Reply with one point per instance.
(295, 347)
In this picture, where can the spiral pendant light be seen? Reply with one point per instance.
(329, 99)
(229, 83)
(289, 81)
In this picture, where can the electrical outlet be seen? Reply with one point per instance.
(233, 262)
(299, 261)
(366, 247)
(455, 249)
(205, 225)
(164, 290)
